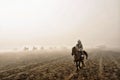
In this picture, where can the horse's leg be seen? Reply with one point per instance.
(77, 65)
(83, 64)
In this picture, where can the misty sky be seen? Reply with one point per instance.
(59, 22)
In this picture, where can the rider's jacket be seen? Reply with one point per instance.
(79, 47)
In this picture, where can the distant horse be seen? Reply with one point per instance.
(79, 57)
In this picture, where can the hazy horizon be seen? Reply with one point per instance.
(59, 23)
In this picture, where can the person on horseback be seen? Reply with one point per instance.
(78, 49)
(79, 46)
(79, 53)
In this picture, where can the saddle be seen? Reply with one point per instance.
(79, 56)
(80, 52)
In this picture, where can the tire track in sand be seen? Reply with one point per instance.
(100, 66)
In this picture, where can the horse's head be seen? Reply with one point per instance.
(74, 50)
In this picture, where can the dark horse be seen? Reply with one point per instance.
(79, 57)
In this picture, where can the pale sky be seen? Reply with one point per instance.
(59, 22)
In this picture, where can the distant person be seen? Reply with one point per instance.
(34, 48)
(26, 48)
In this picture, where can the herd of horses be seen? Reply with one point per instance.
(79, 57)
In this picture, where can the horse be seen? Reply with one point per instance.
(79, 57)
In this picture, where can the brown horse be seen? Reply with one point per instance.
(79, 57)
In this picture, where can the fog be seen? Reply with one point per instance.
(59, 23)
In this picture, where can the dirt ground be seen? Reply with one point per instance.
(59, 65)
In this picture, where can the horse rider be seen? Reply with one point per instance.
(79, 53)
(79, 46)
